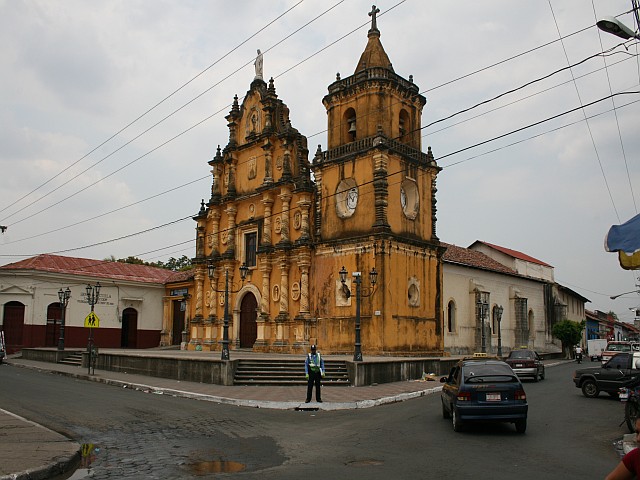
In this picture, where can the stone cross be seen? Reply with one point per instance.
(372, 14)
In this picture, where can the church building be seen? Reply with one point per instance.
(338, 250)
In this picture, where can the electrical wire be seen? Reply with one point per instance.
(151, 109)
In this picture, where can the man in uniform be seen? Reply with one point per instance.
(313, 372)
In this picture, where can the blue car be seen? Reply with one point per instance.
(484, 390)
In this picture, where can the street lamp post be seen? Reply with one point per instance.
(499, 311)
(482, 311)
(613, 297)
(225, 331)
(615, 27)
(63, 296)
(373, 278)
(93, 296)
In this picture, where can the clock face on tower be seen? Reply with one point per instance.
(409, 198)
(352, 199)
(346, 198)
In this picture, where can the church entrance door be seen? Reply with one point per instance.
(248, 325)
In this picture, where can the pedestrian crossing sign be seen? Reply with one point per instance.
(92, 321)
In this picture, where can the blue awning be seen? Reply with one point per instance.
(625, 239)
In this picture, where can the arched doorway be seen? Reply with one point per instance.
(178, 321)
(54, 319)
(129, 334)
(248, 325)
(13, 326)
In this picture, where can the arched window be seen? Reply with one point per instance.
(349, 125)
(451, 316)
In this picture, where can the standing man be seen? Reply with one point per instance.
(313, 372)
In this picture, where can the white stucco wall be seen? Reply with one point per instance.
(37, 291)
(458, 284)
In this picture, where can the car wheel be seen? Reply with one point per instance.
(445, 412)
(631, 414)
(521, 425)
(457, 424)
(535, 377)
(590, 389)
(542, 374)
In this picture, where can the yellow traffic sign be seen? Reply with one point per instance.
(92, 321)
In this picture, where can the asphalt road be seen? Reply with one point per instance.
(139, 435)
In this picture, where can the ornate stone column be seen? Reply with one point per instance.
(214, 239)
(267, 201)
(285, 196)
(305, 205)
(304, 263)
(231, 212)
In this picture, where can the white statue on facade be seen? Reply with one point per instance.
(258, 65)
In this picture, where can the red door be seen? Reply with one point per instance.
(13, 326)
(248, 325)
(54, 319)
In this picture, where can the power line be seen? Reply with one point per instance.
(149, 110)
(155, 125)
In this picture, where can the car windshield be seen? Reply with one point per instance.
(482, 372)
(521, 354)
(619, 347)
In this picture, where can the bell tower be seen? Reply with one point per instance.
(376, 207)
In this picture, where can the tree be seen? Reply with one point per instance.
(569, 333)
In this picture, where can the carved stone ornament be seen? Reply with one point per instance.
(224, 237)
(295, 291)
(253, 124)
(275, 293)
(207, 299)
(414, 292)
(297, 220)
(277, 225)
(279, 162)
(252, 210)
(210, 240)
(221, 299)
(253, 168)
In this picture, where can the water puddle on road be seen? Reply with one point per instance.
(215, 466)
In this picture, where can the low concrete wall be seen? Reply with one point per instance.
(47, 355)
(368, 373)
(218, 372)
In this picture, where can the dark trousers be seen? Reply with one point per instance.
(314, 378)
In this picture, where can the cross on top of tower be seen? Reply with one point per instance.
(374, 11)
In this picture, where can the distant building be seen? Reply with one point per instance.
(129, 308)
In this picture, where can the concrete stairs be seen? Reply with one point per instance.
(72, 359)
(287, 372)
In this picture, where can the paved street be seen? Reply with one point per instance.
(146, 435)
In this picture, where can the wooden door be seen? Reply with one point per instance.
(248, 325)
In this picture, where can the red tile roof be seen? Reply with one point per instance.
(473, 258)
(513, 253)
(96, 268)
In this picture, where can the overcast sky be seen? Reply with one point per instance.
(81, 167)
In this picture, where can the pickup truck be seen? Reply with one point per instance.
(620, 371)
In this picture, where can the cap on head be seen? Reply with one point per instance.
(313, 347)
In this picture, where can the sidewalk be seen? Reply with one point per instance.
(38, 453)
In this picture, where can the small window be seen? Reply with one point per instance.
(250, 246)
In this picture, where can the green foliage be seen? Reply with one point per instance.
(568, 332)
(175, 264)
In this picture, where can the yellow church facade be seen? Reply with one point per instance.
(291, 223)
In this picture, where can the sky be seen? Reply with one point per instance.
(110, 111)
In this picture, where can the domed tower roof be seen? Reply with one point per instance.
(374, 54)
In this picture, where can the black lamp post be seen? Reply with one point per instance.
(225, 332)
(93, 296)
(63, 296)
(482, 311)
(498, 313)
(373, 278)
